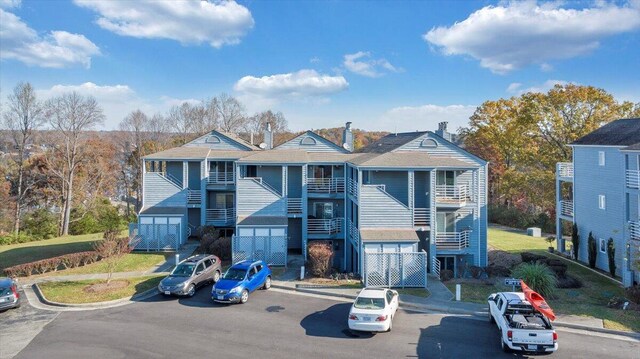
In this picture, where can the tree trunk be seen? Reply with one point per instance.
(16, 223)
(67, 207)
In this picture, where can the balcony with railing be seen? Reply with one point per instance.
(325, 227)
(294, 207)
(564, 170)
(566, 208)
(455, 195)
(452, 241)
(194, 197)
(354, 232)
(633, 179)
(326, 186)
(352, 188)
(221, 178)
(221, 217)
(634, 230)
(421, 217)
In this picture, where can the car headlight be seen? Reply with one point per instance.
(237, 289)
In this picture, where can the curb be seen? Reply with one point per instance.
(448, 310)
(98, 305)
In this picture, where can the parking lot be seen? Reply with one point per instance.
(273, 324)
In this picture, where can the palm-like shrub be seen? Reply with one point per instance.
(537, 276)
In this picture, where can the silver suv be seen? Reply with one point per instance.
(191, 274)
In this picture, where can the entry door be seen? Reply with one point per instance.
(447, 263)
(445, 222)
(445, 178)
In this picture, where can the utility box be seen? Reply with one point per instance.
(534, 232)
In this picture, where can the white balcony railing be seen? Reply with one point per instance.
(194, 197)
(325, 226)
(634, 230)
(457, 194)
(352, 187)
(452, 240)
(222, 216)
(325, 185)
(421, 217)
(633, 179)
(221, 177)
(566, 207)
(435, 266)
(294, 205)
(354, 233)
(565, 169)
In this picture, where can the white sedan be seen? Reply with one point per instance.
(373, 310)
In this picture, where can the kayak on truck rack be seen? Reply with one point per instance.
(537, 301)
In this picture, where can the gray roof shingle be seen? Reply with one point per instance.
(391, 141)
(623, 132)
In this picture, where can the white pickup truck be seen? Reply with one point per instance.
(521, 326)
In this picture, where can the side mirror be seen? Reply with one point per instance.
(198, 273)
(492, 297)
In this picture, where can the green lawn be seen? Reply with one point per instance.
(14, 254)
(590, 300)
(73, 292)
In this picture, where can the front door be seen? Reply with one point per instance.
(447, 263)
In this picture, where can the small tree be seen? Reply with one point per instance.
(320, 254)
(112, 250)
(593, 250)
(611, 253)
(575, 240)
(550, 240)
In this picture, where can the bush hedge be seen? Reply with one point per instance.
(14, 239)
(516, 218)
(66, 261)
(320, 255)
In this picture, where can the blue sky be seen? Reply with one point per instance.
(384, 65)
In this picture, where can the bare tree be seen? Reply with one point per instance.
(112, 250)
(25, 114)
(257, 123)
(232, 113)
(70, 115)
(135, 136)
(157, 129)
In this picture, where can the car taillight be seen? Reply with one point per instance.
(509, 335)
(381, 318)
(353, 317)
(15, 291)
(555, 337)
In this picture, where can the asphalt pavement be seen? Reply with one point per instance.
(276, 324)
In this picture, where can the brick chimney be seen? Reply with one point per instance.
(268, 137)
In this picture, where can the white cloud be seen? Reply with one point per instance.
(412, 118)
(301, 84)
(516, 88)
(361, 63)
(189, 22)
(7, 4)
(57, 49)
(513, 87)
(517, 34)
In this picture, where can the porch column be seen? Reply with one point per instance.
(432, 219)
(285, 174)
(305, 210)
(185, 174)
(559, 237)
(203, 191)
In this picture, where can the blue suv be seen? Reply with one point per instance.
(240, 280)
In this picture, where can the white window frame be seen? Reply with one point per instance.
(601, 158)
(602, 201)
(603, 244)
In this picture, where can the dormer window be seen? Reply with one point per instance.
(308, 141)
(213, 139)
(428, 143)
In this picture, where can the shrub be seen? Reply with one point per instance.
(71, 260)
(537, 276)
(202, 231)
(207, 240)
(569, 282)
(476, 272)
(497, 271)
(529, 257)
(102, 217)
(611, 254)
(575, 241)
(503, 259)
(514, 217)
(221, 247)
(633, 293)
(446, 275)
(319, 254)
(593, 250)
(41, 224)
(14, 239)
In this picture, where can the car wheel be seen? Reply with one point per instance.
(491, 320)
(216, 276)
(503, 345)
(390, 324)
(244, 297)
(267, 283)
(192, 290)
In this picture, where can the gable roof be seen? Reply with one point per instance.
(391, 141)
(181, 153)
(407, 159)
(623, 132)
(634, 147)
(227, 135)
(317, 137)
(234, 137)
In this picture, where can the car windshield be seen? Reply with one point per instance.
(183, 270)
(369, 303)
(235, 274)
(5, 291)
